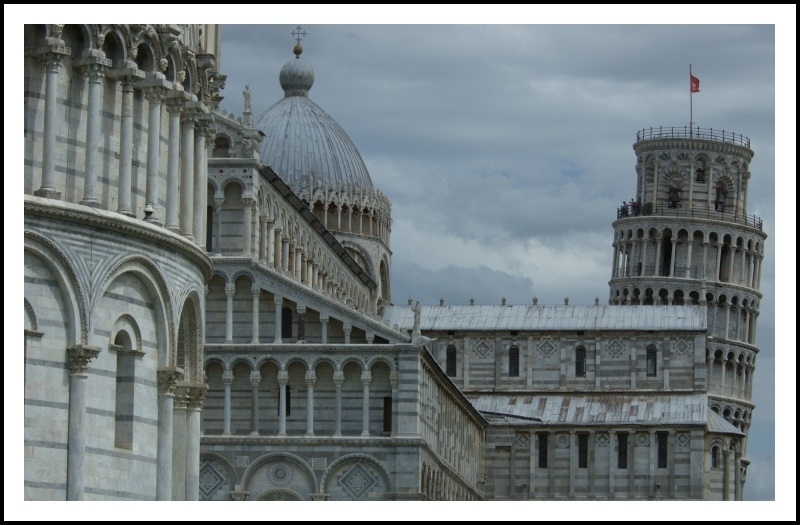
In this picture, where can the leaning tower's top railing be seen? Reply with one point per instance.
(699, 133)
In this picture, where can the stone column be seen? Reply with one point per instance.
(227, 380)
(188, 121)
(95, 67)
(323, 319)
(688, 273)
(270, 244)
(737, 483)
(255, 381)
(632, 260)
(200, 180)
(573, 463)
(262, 243)
(218, 202)
(726, 474)
(338, 380)
(248, 226)
(78, 358)
(314, 271)
(719, 260)
(179, 430)
(174, 106)
(52, 62)
(283, 380)
(742, 276)
(167, 383)
(731, 257)
(291, 264)
(658, 253)
(671, 465)
(653, 461)
(301, 322)
(298, 263)
(612, 465)
(673, 257)
(278, 256)
(645, 242)
(196, 396)
(347, 329)
(394, 379)
(230, 291)
(124, 204)
(311, 378)
(256, 290)
(155, 95)
(366, 379)
(370, 338)
(285, 255)
(278, 318)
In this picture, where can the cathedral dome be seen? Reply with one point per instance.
(302, 142)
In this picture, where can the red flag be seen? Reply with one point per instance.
(694, 84)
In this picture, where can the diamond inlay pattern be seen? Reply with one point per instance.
(357, 482)
(615, 348)
(210, 479)
(546, 348)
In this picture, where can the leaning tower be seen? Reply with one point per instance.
(686, 237)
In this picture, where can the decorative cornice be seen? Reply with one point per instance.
(114, 222)
(316, 441)
(697, 145)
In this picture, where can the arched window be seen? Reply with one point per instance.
(451, 361)
(715, 457)
(719, 202)
(652, 368)
(286, 323)
(580, 362)
(513, 362)
(123, 413)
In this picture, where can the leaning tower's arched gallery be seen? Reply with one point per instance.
(208, 311)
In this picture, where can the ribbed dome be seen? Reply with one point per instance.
(303, 141)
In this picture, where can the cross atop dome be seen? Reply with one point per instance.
(298, 33)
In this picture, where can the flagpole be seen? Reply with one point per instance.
(691, 122)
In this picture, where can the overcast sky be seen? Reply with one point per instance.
(506, 149)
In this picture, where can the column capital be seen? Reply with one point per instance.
(239, 495)
(168, 378)
(227, 377)
(263, 217)
(301, 309)
(255, 378)
(154, 89)
(347, 326)
(311, 378)
(79, 356)
(230, 289)
(128, 75)
(338, 377)
(324, 318)
(256, 290)
(292, 242)
(181, 395)
(196, 395)
(248, 202)
(218, 202)
(95, 66)
(278, 300)
(366, 378)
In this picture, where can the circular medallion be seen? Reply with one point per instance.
(280, 474)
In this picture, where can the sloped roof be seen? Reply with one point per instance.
(534, 317)
(595, 409)
(719, 425)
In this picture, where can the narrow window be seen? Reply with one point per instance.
(513, 362)
(583, 450)
(580, 362)
(286, 323)
(622, 450)
(209, 228)
(387, 414)
(651, 361)
(125, 388)
(542, 439)
(451, 361)
(661, 441)
(715, 457)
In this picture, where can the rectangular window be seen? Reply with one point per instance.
(542, 442)
(513, 362)
(583, 450)
(450, 368)
(580, 362)
(661, 442)
(622, 450)
(652, 361)
(387, 413)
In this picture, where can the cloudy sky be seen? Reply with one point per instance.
(506, 149)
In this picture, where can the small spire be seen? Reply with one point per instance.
(503, 301)
(441, 301)
(535, 301)
(298, 33)
(566, 301)
(472, 301)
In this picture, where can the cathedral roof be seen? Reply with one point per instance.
(592, 409)
(534, 317)
(304, 143)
